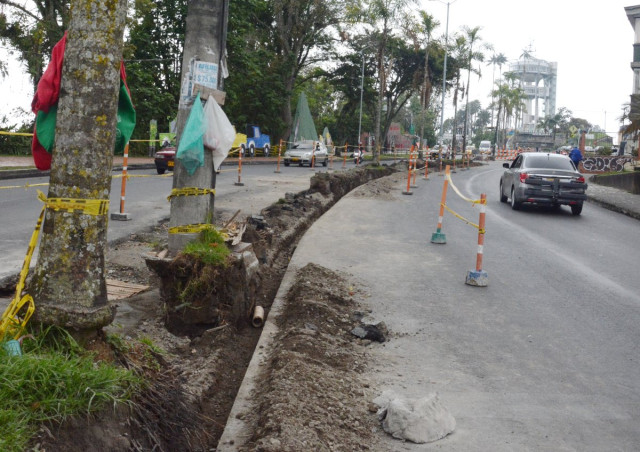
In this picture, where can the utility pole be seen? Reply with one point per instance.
(205, 42)
(69, 285)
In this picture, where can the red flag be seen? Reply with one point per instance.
(46, 98)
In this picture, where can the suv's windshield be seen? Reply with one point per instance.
(544, 161)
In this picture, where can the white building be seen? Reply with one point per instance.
(538, 79)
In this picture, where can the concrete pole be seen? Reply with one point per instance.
(204, 42)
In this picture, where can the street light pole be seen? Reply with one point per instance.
(444, 73)
(361, 91)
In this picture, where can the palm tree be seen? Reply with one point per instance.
(472, 36)
(428, 24)
(383, 14)
(498, 59)
(459, 50)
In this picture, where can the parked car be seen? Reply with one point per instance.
(165, 159)
(302, 152)
(543, 179)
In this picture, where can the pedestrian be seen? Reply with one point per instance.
(576, 156)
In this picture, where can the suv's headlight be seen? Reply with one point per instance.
(307, 155)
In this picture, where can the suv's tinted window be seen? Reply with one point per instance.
(545, 161)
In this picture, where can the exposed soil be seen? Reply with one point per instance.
(312, 394)
(314, 397)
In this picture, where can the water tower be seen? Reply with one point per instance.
(538, 79)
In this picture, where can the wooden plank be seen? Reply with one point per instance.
(117, 290)
(204, 91)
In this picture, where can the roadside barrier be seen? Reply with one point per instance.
(408, 190)
(426, 164)
(122, 216)
(415, 165)
(279, 153)
(477, 277)
(346, 151)
(239, 183)
(439, 236)
(312, 166)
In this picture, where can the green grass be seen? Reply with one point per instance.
(53, 380)
(209, 248)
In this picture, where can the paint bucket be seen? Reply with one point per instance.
(13, 348)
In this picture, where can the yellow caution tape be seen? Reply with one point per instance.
(11, 322)
(472, 201)
(19, 134)
(86, 206)
(190, 191)
(25, 186)
(463, 219)
(190, 228)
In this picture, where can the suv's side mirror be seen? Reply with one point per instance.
(505, 165)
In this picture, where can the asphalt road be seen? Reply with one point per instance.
(146, 202)
(545, 358)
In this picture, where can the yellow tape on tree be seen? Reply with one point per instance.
(190, 228)
(190, 191)
(86, 206)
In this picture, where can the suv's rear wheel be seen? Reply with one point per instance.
(515, 205)
(576, 209)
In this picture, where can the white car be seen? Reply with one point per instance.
(302, 153)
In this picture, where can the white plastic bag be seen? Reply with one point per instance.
(220, 134)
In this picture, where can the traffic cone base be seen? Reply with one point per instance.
(478, 278)
(438, 237)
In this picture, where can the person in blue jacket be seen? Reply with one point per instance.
(576, 156)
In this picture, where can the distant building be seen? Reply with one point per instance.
(633, 14)
(539, 80)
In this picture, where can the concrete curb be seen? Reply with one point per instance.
(614, 207)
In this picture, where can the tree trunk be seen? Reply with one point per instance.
(69, 282)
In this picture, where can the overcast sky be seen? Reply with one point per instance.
(591, 40)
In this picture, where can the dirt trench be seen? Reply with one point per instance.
(206, 330)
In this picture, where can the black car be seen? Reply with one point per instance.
(543, 179)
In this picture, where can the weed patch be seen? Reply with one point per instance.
(209, 248)
(53, 380)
